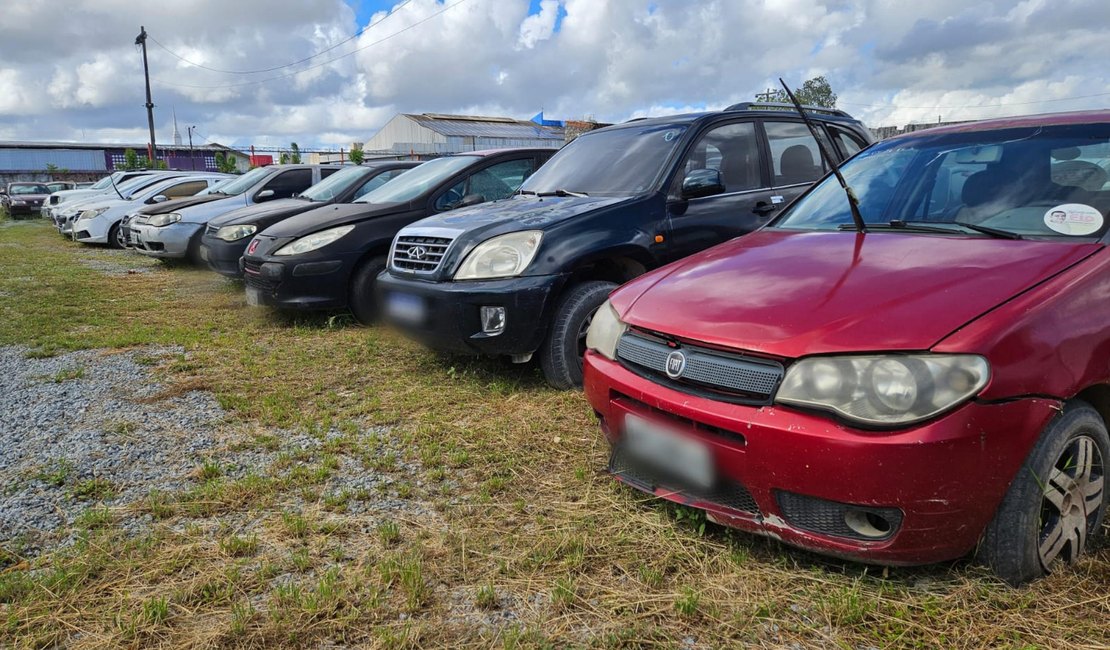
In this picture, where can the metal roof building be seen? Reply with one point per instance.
(432, 133)
(33, 157)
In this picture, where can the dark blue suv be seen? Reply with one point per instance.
(524, 275)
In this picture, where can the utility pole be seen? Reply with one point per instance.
(141, 40)
(192, 160)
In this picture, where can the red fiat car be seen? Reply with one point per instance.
(934, 383)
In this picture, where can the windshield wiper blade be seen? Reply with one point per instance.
(563, 193)
(525, 192)
(987, 230)
(898, 224)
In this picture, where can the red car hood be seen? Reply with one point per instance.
(790, 294)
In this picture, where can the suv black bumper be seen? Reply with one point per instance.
(449, 317)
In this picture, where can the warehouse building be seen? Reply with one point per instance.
(40, 161)
(435, 134)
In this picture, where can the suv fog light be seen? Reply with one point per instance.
(493, 320)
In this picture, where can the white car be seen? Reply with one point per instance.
(64, 215)
(102, 186)
(99, 222)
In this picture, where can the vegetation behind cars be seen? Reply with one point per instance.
(524, 542)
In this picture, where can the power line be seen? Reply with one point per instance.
(318, 65)
(287, 65)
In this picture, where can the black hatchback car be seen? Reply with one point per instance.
(329, 258)
(227, 236)
(525, 276)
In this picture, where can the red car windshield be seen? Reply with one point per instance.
(1034, 182)
(28, 188)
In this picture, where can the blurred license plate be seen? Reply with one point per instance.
(254, 297)
(405, 308)
(668, 450)
(204, 253)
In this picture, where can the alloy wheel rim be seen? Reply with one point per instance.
(120, 241)
(1071, 502)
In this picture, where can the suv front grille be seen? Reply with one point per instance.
(419, 254)
(744, 379)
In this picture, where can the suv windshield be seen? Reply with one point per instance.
(418, 180)
(328, 188)
(244, 182)
(611, 162)
(1047, 181)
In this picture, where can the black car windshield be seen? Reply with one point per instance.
(28, 188)
(335, 184)
(243, 183)
(1038, 181)
(418, 180)
(612, 162)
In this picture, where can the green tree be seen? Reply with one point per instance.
(226, 163)
(130, 159)
(283, 159)
(813, 92)
(51, 168)
(295, 157)
(356, 155)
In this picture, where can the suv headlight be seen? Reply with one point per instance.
(884, 390)
(605, 331)
(503, 256)
(165, 219)
(235, 233)
(311, 242)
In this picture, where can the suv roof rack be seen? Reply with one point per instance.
(755, 106)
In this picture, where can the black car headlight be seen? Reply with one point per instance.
(884, 390)
(235, 233)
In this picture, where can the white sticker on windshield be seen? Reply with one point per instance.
(1073, 219)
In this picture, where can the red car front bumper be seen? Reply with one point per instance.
(944, 478)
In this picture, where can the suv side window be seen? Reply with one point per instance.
(795, 157)
(849, 144)
(185, 189)
(327, 171)
(376, 182)
(290, 182)
(492, 183)
(732, 150)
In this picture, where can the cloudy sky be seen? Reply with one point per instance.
(69, 69)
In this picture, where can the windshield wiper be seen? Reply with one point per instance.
(525, 192)
(987, 230)
(909, 226)
(562, 193)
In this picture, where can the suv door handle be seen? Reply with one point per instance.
(763, 208)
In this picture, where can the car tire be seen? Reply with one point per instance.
(1055, 505)
(561, 354)
(115, 236)
(361, 300)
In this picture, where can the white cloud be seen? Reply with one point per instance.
(77, 71)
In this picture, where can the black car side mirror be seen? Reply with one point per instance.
(702, 182)
(471, 199)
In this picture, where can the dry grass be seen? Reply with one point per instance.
(512, 537)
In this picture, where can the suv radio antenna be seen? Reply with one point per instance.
(113, 181)
(853, 202)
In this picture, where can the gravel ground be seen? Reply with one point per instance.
(73, 419)
(80, 429)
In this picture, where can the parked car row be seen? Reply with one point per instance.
(903, 362)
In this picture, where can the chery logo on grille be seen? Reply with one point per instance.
(676, 363)
(417, 253)
(253, 246)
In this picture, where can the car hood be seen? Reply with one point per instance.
(178, 204)
(205, 211)
(330, 216)
(270, 209)
(791, 294)
(520, 211)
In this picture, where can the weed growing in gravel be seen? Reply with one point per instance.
(485, 597)
(389, 532)
(209, 470)
(156, 610)
(55, 472)
(68, 374)
(237, 546)
(158, 504)
(686, 604)
(123, 428)
(94, 517)
(100, 489)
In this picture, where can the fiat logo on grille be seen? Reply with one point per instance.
(417, 253)
(676, 363)
(252, 247)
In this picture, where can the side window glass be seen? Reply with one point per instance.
(795, 157)
(288, 183)
(327, 171)
(849, 145)
(452, 197)
(733, 151)
(492, 183)
(185, 189)
(376, 182)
